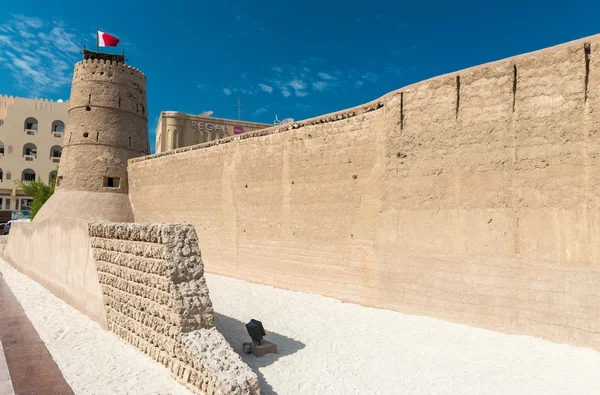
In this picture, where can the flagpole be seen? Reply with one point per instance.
(97, 43)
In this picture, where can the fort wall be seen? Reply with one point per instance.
(156, 299)
(58, 255)
(144, 282)
(472, 197)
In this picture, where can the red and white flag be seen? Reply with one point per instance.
(106, 40)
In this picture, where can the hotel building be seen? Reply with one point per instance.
(177, 129)
(31, 135)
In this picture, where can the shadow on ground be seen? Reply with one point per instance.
(235, 333)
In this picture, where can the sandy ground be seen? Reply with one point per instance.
(329, 347)
(92, 360)
(326, 347)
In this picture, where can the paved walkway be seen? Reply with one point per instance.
(26, 366)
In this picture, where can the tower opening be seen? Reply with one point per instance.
(112, 182)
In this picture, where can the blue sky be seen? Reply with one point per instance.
(296, 60)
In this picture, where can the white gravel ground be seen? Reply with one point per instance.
(329, 347)
(92, 360)
(326, 347)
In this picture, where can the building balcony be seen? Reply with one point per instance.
(58, 134)
(55, 159)
(31, 131)
(29, 157)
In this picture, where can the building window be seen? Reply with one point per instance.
(112, 182)
(1, 148)
(1, 122)
(29, 151)
(51, 177)
(7, 204)
(58, 128)
(55, 153)
(1, 175)
(26, 204)
(9, 149)
(177, 138)
(8, 175)
(31, 125)
(28, 175)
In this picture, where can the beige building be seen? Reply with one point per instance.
(31, 132)
(177, 129)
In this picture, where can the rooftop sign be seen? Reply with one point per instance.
(208, 126)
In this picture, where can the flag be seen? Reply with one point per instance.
(106, 40)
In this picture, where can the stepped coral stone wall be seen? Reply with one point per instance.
(472, 197)
(157, 300)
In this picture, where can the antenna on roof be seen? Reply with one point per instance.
(276, 121)
(239, 107)
(206, 114)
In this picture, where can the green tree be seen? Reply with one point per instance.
(38, 192)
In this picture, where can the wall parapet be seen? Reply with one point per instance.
(152, 279)
(333, 117)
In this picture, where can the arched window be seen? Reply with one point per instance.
(177, 138)
(8, 175)
(28, 175)
(9, 149)
(1, 148)
(29, 151)
(58, 127)
(51, 176)
(55, 152)
(31, 125)
(1, 175)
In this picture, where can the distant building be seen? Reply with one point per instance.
(177, 129)
(31, 136)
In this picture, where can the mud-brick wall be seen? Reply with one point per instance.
(472, 196)
(157, 300)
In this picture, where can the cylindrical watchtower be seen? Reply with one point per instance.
(107, 125)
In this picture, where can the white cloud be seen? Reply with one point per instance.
(359, 83)
(277, 69)
(372, 77)
(40, 56)
(35, 23)
(319, 85)
(298, 87)
(325, 76)
(285, 92)
(266, 88)
(259, 111)
(227, 91)
(297, 84)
